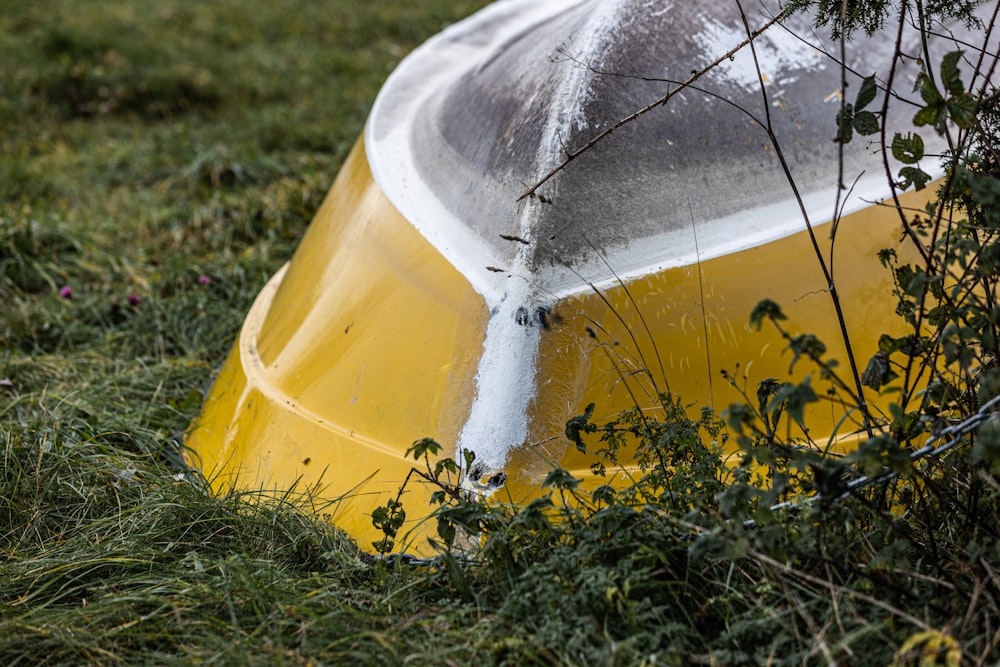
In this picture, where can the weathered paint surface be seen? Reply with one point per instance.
(365, 341)
(486, 108)
(425, 300)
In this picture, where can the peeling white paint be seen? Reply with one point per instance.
(505, 378)
(426, 71)
(777, 51)
(505, 382)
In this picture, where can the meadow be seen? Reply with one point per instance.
(160, 160)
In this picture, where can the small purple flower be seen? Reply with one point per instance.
(204, 280)
(134, 299)
(66, 292)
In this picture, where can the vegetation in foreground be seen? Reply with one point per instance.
(159, 160)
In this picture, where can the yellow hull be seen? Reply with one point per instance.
(360, 344)
(369, 339)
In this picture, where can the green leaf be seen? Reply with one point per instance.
(604, 494)
(535, 515)
(881, 453)
(765, 309)
(913, 176)
(866, 93)
(446, 530)
(865, 123)
(469, 457)
(423, 447)
(389, 519)
(738, 415)
(931, 115)
(736, 501)
(931, 96)
(887, 344)
(445, 464)
(765, 390)
(950, 76)
(962, 110)
(912, 280)
(808, 345)
(985, 190)
(795, 397)
(886, 256)
(578, 425)
(908, 148)
(561, 479)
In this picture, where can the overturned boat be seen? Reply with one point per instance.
(475, 277)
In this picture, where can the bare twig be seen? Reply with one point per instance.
(570, 156)
(859, 392)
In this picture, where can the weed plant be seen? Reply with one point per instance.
(787, 553)
(158, 162)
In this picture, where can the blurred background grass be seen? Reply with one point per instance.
(148, 143)
(158, 161)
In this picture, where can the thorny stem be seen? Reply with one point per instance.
(927, 253)
(835, 223)
(859, 391)
(907, 228)
(826, 368)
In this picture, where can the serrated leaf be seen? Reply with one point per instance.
(913, 176)
(445, 464)
(561, 479)
(423, 447)
(865, 123)
(908, 149)
(962, 110)
(866, 93)
(931, 115)
(929, 92)
(765, 309)
(950, 76)
(794, 397)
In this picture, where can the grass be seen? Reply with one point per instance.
(161, 160)
(158, 161)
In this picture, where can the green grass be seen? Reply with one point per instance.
(146, 145)
(161, 160)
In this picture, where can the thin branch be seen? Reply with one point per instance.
(859, 392)
(530, 192)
